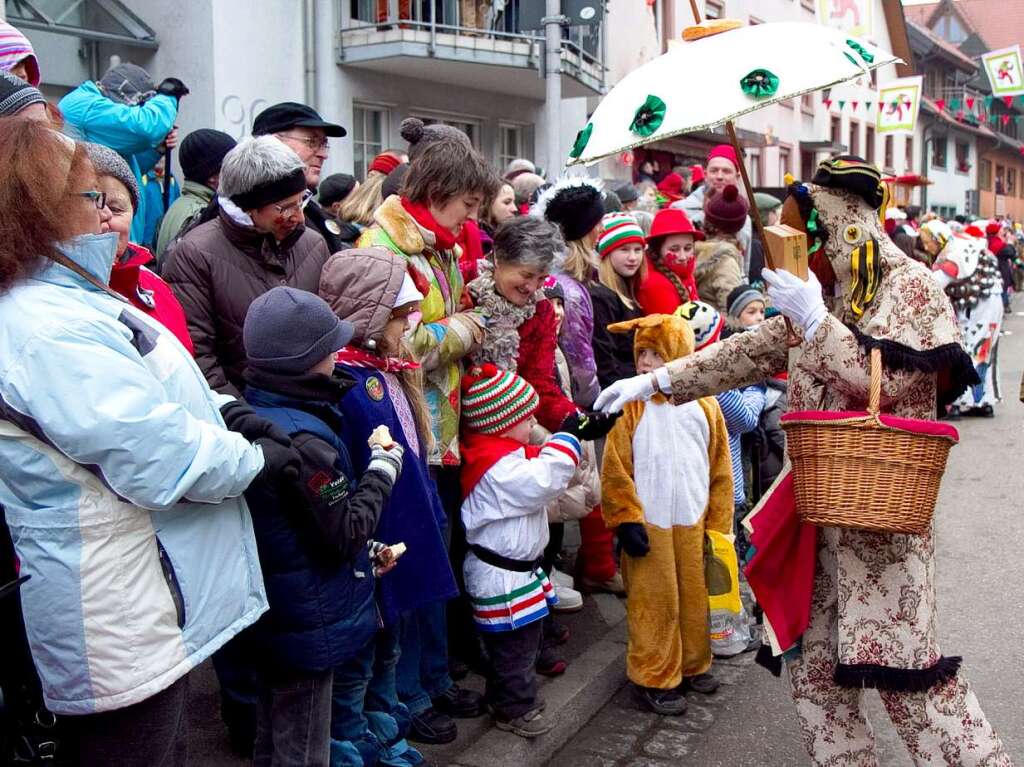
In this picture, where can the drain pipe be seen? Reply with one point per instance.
(309, 51)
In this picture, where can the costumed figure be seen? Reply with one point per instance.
(969, 273)
(666, 475)
(870, 619)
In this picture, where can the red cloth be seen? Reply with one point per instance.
(910, 425)
(133, 280)
(445, 237)
(470, 240)
(536, 364)
(657, 294)
(596, 555)
(360, 358)
(385, 163)
(481, 451)
(781, 570)
(672, 186)
(996, 244)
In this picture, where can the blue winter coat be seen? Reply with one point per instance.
(313, 542)
(413, 516)
(132, 132)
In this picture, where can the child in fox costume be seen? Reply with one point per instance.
(666, 475)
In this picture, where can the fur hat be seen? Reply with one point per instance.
(726, 211)
(420, 135)
(705, 321)
(575, 204)
(493, 400)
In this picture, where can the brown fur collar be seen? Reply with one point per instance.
(400, 226)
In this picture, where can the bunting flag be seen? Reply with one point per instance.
(940, 103)
(841, 105)
(1005, 118)
(1008, 100)
(960, 116)
(828, 103)
(970, 102)
(881, 105)
(955, 105)
(854, 104)
(988, 102)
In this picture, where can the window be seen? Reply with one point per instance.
(939, 146)
(754, 166)
(836, 135)
(908, 155)
(854, 138)
(784, 163)
(714, 9)
(888, 161)
(511, 144)
(806, 164)
(963, 157)
(869, 144)
(1000, 176)
(807, 103)
(985, 175)
(1011, 182)
(369, 129)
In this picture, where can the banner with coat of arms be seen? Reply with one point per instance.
(1003, 68)
(855, 17)
(899, 102)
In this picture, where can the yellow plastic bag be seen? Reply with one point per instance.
(723, 550)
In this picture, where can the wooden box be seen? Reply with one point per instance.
(786, 248)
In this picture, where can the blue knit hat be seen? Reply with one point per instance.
(288, 330)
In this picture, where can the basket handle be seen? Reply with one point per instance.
(875, 387)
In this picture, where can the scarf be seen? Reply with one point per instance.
(355, 357)
(444, 239)
(501, 341)
(682, 275)
(481, 451)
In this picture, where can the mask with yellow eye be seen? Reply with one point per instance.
(865, 268)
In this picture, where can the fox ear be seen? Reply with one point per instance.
(625, 327)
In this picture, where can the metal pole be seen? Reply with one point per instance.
(553, 87)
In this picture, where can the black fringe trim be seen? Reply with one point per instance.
(767, 660)
(949, 359)
(897, 679)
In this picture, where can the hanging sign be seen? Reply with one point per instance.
(898, 104)
(1004, 71)
(855, 17)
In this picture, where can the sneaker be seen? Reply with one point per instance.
(433, 728)
(569, 600)
(613, 585)
(664, 702)
(529, 725)
(558, 578)
(460, 703)
(550, 663)
(705, 683)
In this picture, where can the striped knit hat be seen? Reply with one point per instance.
(16, 94)
(15, 48)
(493, 400)
(619, 229)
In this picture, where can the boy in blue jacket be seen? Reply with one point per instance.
(313, 535)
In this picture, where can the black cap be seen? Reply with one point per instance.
(281, 117)
(202, 153)
(335, 188)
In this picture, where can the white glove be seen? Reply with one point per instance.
(800, 301)
(634, 389)
(941, 278)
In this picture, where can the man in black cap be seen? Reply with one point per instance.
(202, 153)
(628, 196)
(303, 130)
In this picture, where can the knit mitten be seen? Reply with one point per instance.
(633, 539)
(387, 461)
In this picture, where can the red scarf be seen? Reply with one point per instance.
(481, 451)
(354, 357)
(995, 243)
(444, 238)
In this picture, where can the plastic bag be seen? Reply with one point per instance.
(729, 624)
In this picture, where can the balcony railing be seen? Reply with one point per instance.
(493, 38)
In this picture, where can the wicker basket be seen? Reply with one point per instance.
(862, 473)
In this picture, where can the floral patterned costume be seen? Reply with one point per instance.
(872, 621)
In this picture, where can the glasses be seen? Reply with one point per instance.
(298, 207)
(312, 143)
(99, 199)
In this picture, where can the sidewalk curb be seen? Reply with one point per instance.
(572, 700)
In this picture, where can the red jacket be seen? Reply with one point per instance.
(149, 293)
(536, 364)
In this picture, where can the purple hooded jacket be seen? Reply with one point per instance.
(576, 340)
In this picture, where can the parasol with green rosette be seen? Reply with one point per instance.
(702, 83)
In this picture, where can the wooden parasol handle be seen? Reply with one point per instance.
(696, 12)
(792, 337)
(875, 387)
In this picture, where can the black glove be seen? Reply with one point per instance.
(588, 426)
(279, 461)
(633, 539)
(172, 86)
(241, 418)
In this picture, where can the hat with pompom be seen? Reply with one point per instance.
(620, 229)
(574, 204)
(420, 135)
(493, 400)
(726, 211)
(706, 322)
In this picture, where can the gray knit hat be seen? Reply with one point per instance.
(16, 94)
(107, 162)
(288, 331)
(420, 135)
(128, 84)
